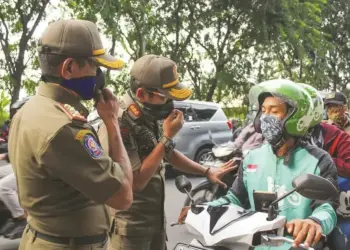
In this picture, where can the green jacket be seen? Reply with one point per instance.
(262, 170)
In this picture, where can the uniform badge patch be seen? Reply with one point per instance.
(134, 110)
(89, 143)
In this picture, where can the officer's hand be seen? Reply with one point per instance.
(183, 215)
(107, 105)
(307, 231)
(173, 123)
(214, 175)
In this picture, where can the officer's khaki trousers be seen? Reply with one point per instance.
(153, 242)
(29, 242)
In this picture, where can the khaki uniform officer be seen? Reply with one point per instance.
(148, 102)
(64, 177)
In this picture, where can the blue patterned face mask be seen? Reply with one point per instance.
(271, 128)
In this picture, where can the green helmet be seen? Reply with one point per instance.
(318, 104)
(299, 117)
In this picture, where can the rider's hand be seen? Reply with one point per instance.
(183, 215)
(214, 175)
(107, 105)
(173, 123)
(307, 231)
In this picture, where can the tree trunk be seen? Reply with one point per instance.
(16, 81)
(213, 85)
(142, 45)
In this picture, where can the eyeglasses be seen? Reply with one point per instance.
(155, 92)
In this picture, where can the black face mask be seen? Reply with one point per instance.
(157, 111)
(100, 84)
(100, 80)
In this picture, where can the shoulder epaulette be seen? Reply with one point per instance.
(72, 113)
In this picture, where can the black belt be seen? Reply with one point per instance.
(86, 240)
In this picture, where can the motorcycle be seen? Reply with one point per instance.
(230, 227)
(205, 191)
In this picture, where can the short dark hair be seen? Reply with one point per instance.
(134, 85)
(49, 63)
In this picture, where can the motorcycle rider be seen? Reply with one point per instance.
(284, 116)
(337, 143)
(248, 138)
(337, 110)
(328, 137)
(153, 87)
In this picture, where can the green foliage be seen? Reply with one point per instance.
(18, 21)
(236, 112)
(4, 103)
(220, 46)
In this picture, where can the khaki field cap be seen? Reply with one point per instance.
(76, 38)
(157, 72)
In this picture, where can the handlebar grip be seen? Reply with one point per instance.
(288, 240)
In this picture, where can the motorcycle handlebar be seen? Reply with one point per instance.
(287, 240)
(174, 224)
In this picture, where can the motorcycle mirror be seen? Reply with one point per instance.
(314, 187)
(183, 184)
(310, 186)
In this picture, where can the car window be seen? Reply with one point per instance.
(189, 115)
(204, 112)
(219, 116)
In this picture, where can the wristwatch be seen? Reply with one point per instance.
(168, 143)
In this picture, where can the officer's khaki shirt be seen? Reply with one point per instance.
(146, 214)
(63, 175)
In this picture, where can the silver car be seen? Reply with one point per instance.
(201, 119)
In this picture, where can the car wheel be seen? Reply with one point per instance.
(204, 155)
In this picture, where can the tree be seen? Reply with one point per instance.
(336, 23)
(18, 21)
(291, 43)
(221, 46)
(142, 26)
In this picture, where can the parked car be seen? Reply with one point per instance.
(201, 118)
